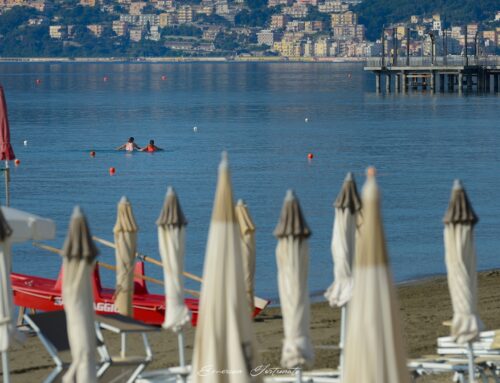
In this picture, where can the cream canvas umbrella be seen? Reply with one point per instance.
(460, 257)
(171, 238)
(125, 233)
(224, 348)
(374, 350)
(79, 253)
(347, 209)
(7, 327)
(247, 232)
(292, 256)
(23, 227)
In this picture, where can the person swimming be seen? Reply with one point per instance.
(151, 147)
(129, 146)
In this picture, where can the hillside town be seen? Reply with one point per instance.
(318, 29)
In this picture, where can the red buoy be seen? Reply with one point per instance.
(92, 154)
(105, 78)
(310, 156)
(38, 81)
(112, 171)
(17, 162)
(163, 78)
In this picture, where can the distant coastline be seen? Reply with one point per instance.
(180, 59)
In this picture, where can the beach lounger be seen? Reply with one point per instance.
(50, 327)
(437, 364)
(122, 368)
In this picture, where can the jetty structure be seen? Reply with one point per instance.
(444, 72)
(449, 72)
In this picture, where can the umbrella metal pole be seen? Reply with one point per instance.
(343, 322)
(298, 374)
(123, 349)
(5, 367)
(7, 180)
(182, 360)
(471, 362)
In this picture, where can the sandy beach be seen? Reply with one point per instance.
(424, 306)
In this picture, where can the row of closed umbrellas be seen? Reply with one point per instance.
(225, 339)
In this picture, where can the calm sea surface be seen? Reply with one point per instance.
(419, 143)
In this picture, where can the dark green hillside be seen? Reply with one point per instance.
(375, 13)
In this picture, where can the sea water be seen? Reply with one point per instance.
(269, 117)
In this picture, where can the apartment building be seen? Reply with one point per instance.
(185, 14)
(120, 27)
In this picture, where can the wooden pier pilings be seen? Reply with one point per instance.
(448, 73)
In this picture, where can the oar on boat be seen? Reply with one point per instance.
(111, 267)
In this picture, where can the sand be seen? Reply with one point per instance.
(424, 306)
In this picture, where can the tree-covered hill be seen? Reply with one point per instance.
(375, 13)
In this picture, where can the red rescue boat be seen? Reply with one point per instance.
(45, 294)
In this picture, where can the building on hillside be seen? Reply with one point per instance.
(298, 11)
(96, 29)
(414, 19)
(120, 27)
(314, 3)
(185, 14)
(313, 26)
(148, 19)
(154, 33)
(57, 32)
(265, 37)
(87, 3)
(211, 32)
(275, 3)
(331, 6)
(136, 7)
(167, 19)
(221, 7)
(136, 34)
(344, 18)
(278, 22)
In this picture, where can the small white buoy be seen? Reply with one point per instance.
(195, 129)
(306, 119)
(25, 142)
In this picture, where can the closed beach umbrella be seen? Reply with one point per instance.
(7, 327)
(79, 253)
(347, 208)
(460, 258)
(292, 256)
(374, 350)
(6, 151)
(125, 233)
(224, 348)
(247, 232)
(171, 238)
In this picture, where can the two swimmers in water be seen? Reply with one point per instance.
(130, 146)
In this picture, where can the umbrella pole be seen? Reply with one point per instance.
(123, 349)
(298, 374)
(182, 360)
(343, 322)
(5, 367)
(7, 180)
(471, 362)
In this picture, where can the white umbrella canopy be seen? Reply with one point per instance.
(171, 238)
(79, 253)
(125, 235)
(374, 350)
(28, 227)
(347, 209)
(247, 232)
(292, 256)
(225, 348)
(460, 257)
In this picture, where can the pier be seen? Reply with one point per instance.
(445, 73)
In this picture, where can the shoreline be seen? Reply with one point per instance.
(140, 60)
(424, 306)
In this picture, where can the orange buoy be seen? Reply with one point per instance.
(17, 162)
(92, 154)
(112, 171)
(310, 156)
